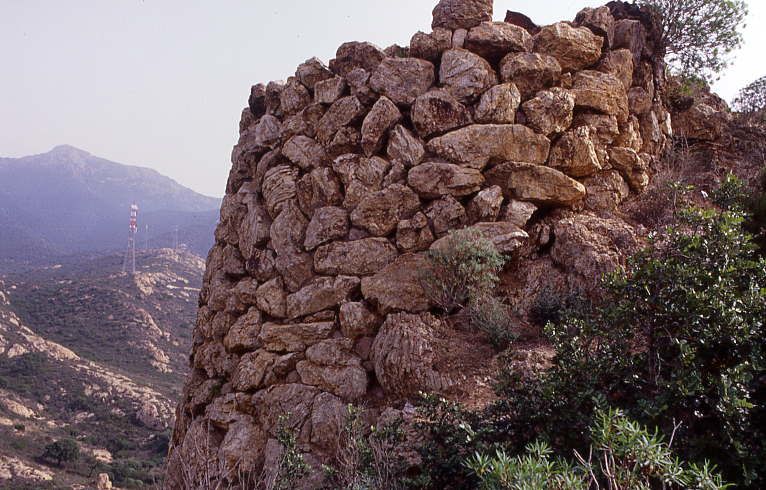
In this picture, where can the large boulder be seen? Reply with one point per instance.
(465, 75)
(357, 257)
(402, 79)
(575, 153)
(332, 366)
(343, 112)
(550, 111)
(602, 92)
(504, 235)
(437, 112)
(431, 46)
(575, 48)
(436, 179)
(498, 105)
(631, 166)
(398, 285)
(474, 146)
(327, 224)
(493, 40)
(403, 147)
(379, 212)
(382, 117)
(485, 206)
(304, 152)
(536, 183)
(461, 14)
(296, 337)
(530, 72)
(353, 55)
(320, 294)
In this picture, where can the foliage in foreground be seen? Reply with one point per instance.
(698, 35)
(678, 339)
(623, 454)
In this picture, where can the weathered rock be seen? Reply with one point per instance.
(398, 285)
(254, 230)
(257, 100)
(485, 206)
(356, 55)
(233, 262)
(317, 189)
(343, 112)
(304, 152)
(530, 72)
(330, 90)
(320, 294)
(361, 176)
(260, 265)
(357, 257)
(536, 183)
(701, 122)
(382, 117)
(404, 357)
(267, 132)
(311, 72)
(474, 146)
(293, 337)
(493, 40)
(461, 14)
(243, 334)
(436, 179)
(295, 268)
(446, 214)
(504, 235)
(518, 212)
(278, 188)
(404, 147)
(380, 212)
(575, 153)
(465, 74)
(551, 111)
(356, 320)
(358, 81)
(498, 105)
(606, 127)
(272, 298)
(602, 92)
(431, 46)
(606, 190)
(256, 370)
(632, 167)
(402, 79)
(327, 224)
(639, 101)
(575, 48)
(620, 64)
(332, 366)
(414, 234)
(288, 231)
(438, 111)
(294, 97)
(273, 94)
(599, 20)
(328, 419)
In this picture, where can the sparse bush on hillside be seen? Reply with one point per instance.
(63, 451)
(752, 99)
(699, 35)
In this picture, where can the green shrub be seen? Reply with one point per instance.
(63, 451)
(292, 465)
(731, 194)
(623, 454)
(752, 99)
(489, 314)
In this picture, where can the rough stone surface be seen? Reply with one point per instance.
(632, 167)
(485, 206)
(602, 92)
(356, 55)
(358, 257)
(465, 74)
(437, 112)
(551, 111)
(575, 48)
(402, 79)
(530, 72)
(379, 212)
(404, 147)
(382, 117)
(327, 224)
(431, 46)
(498, 105)
(398, 285)
(322, 293)
(493, 40)
(575, 153)
(536, 183)
(461, 14)
(435, 179)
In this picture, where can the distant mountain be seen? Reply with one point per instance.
(68, 201)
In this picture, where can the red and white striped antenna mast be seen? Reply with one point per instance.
(130, 253)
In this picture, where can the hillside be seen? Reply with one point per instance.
(95, 355)
(68, 201)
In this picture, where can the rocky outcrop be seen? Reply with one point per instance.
(349, 176)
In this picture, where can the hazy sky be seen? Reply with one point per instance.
(161, 83)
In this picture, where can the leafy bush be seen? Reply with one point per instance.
(63, 451)
(698, 35)
(489, 314)
(752, 99)
(623, 454)
(466, 267)
(292, 466)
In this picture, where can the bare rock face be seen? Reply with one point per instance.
(620, 64)
(403, 353)
(474, 146)
(498, 105)
(485, 206)
(356, 55)
(493, 40)
(328, 224)
(465, 74)
(402, 79)
(404, 148)
(379, 213)
(358, 257)
(332, 366)
(632, 167)
(436, 179)
(398, 285)
(551, 111)
(382, 117)
(575, 48)
(461, 14)
(321, 294)
(530, 72)
(431, 46)
(437, 112)
(602, 92)
(575, 153)
(536, 183)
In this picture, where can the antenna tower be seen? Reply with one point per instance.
(146, 238)
(130, 253)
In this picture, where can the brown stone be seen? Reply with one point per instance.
(485, 206)
(461, 14)
(446, 214)
(357, 257)
(320, 294)
(599, 20)
(620, 64)
(288, 229)
(254, 230)
(465, 74)
(398, 285)
(256, 370)
(327, 224)
(414, 234)
(530, 72)
(606, 190)
(404, 147)
(435, 179)
(330, 90)
(431, 46)
(295, 268)
(317, 189)
(293, 337)
(551, 111)
(311, 72)
(536, 183)
(474, 146)
(493, 40)
(356, 55)
(632, 167)
(278, 187)
(358, 81)
(272, 298)
(518, 212)
(575, 48)
(294, 97)
(438, 111)
(243, 334)
(380, 212)
(356, 320)
(343, 112)
(498, 105)
(304, 152)
(332, 366)
(382, 117)
(601, 92)
(575, 153)
(402, 79)
(504, 235)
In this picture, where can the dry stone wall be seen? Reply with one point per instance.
(345, 175)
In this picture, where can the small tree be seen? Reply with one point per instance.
(698, 35)
(752, 99)
(63, 451)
